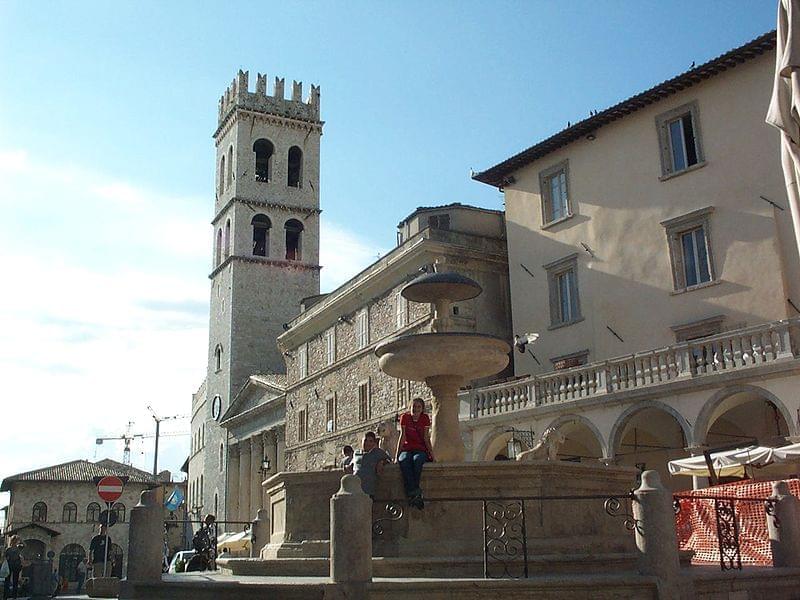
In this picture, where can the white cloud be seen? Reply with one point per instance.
(343, 255)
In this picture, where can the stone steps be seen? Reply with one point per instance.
(435, 567)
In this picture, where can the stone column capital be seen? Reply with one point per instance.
(244, 446)
(256, 442)
(280, 434)
(233, 451)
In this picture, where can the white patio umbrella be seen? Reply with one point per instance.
(783, 110)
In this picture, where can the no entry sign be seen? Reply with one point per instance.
(109, 488)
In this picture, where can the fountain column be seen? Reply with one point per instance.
(446, 431)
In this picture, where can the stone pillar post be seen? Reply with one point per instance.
(446, 430)
(351, 539)
(271, 454)
(656, 538)
(784, 527)
(260, 533)
(232, 488)
(280, 450)
(244, 480)
(146, 537)
(256, 476)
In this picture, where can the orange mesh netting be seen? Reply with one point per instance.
(697, 521)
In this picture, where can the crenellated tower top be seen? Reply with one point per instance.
(239, 95)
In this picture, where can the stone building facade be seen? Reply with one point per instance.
(265, 253)
(335, 390)
(57, 509)
(651, 251)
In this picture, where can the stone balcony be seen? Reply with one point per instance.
(706, 361)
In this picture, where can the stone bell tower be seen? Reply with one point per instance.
(266, 242)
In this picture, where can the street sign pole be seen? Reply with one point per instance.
(105, 550)
(110, 490)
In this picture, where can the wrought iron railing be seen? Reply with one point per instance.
(211, 536)
(727, 524)
(730, 351)
(505, 530)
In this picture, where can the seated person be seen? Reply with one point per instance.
(347, 459)
(368, 463)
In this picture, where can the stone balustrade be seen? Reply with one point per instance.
(730, 351)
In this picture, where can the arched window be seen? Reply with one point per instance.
(293, 230)
(261, 227)
(263, 150)
(221, 175)
(93, 513)
(39, 512)
(230, 166)
(119, 508)
(221, 457)
(295, 167)
(218, 357)
(70, 513)
(218, 249)
(227, 238)
(68, 560)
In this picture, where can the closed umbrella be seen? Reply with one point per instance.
(783, 110)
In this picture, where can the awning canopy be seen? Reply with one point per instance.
(238, 540)
(731, 463)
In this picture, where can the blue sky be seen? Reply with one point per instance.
(106, 163)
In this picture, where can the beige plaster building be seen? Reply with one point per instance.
(57, 509)
(651, 247)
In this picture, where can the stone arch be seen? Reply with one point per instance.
(703, 422)
(580, 419)
(615, 437)
(488, 440)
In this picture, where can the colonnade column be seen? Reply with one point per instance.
(244, 480)
(256, 476)
(280, 462)
(232, 489)
(271, 452)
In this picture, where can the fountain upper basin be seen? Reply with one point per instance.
(468, 355)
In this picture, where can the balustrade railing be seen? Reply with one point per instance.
(729, 351)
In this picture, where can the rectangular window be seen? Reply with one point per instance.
(562, 279)
(555, 195)
(679, 137)
(439, 221)
(402, 390)
(400, 311)
(302, 425)
(362, 328)
(330, 346)
(302, 359)
(364, 401)
(690, 248)
(330, 413)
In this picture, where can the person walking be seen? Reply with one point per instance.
(99, 551)
(414, 450)
(13, 556)
(81, 575)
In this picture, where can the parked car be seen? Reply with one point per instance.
(182, 557)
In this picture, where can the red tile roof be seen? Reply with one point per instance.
(81, 471)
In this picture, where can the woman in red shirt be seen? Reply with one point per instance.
(414, 449)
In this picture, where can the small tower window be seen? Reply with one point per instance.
(218, 358)
(230, 166)
(261, 227)
(227, 238)
(295, 170)
(221, 175)
(263, 150)
(294, 229)
(218, 249)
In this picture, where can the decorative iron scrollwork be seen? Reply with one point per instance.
(505, 542)
(614, 507)
(395, 512)
(730, 556)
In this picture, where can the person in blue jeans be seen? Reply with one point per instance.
(414, 449)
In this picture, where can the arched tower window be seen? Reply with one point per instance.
(261, 227)
(93, 512)
(295, 170)
(70, 513)
(263, 150)
(216, 503)
(218, 357)
(39, 512)
(294, 229)
(227, 238)
(218, 249)
(221, 175)
(221, 456)
(230, 166)
(119, 508)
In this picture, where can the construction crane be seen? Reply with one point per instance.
(128, 437)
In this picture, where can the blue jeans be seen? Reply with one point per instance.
(411, 468)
